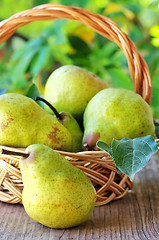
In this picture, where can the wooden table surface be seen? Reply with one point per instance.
(136, 216)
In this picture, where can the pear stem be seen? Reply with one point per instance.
(50, 106)
(9, 152)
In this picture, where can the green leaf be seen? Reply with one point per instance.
(79, 45)
(131, 155)
(33, 92)
(75, 3)
(22, 65)
(2, 91)
(2, 45)
(60, 35)
(41, 60)
(103, 146)
(29, 46)
(39, 2)
(119, 78)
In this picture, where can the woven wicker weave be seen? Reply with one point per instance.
(98, 166)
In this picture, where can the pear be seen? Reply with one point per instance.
(116, 113)
(56, 193)
(73, 127)
(23, 122)
(69, 88)
(70, 123)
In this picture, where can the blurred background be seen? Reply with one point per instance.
(36, 50)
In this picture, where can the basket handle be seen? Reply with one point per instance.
(104, 26)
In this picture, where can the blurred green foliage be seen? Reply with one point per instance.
(37, 49)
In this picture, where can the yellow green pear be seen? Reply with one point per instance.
(68, 122)
(116, 113)
(73, 127)
(69, 88)
(23, 122)
(56, 193)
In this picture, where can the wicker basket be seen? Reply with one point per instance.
(98, 166)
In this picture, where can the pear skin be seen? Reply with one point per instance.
(73, 127)
(69, 89)
(55, 194)
(116, 113)
(23, 122)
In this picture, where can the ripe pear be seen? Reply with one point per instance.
(56, 193)
(70, 123)
(23, 122)
(116, 113)
(73, 127)
(69, 88)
